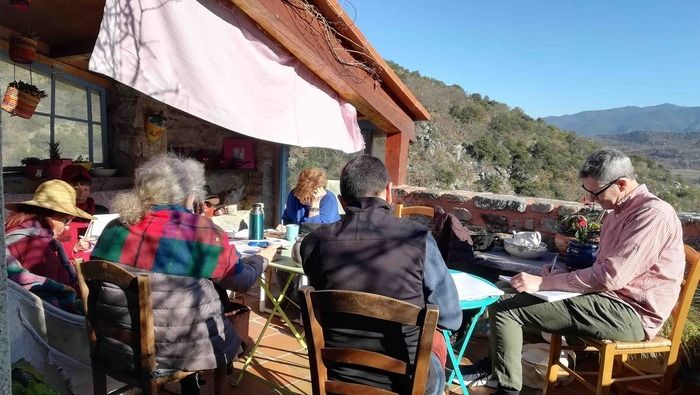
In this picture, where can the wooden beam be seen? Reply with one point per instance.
(83, 74)
(396, 157)
(332, 10)
(306, 38)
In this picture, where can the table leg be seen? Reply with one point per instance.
(456, 359)
(277, 309)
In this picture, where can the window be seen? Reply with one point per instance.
(72, 114)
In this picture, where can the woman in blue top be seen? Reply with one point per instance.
(310, 201)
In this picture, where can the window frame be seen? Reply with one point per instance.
(55, 74)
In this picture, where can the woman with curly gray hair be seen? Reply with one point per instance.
(185, 254)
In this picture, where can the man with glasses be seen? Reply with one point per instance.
(629, 291)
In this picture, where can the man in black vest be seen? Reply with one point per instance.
(370, 250)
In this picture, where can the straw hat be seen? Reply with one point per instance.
(54, 195)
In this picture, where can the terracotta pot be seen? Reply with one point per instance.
(54, 167)
(26, 105)
(33, 172)
(22, 5)
(9, 101)
(22, 49)
(561, 241)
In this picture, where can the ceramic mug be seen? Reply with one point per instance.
(292, 232)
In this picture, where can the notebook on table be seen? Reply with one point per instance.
(472, 288)
(98, 224)
(549, 296)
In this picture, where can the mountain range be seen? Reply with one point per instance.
(661, 118)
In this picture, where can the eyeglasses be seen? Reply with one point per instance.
(66, 220)
(603, 189)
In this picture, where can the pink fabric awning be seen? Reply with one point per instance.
(212, 61)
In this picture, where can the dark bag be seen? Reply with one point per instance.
(453, 240)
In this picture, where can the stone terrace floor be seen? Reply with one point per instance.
(281, 365)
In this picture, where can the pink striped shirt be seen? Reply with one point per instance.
(640, 261)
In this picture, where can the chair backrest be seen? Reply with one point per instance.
(92, 275)
(402, 210)
(371, 306)
(679, 315)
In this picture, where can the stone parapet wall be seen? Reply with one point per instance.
(504, 213)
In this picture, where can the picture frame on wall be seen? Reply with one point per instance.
(239, 153)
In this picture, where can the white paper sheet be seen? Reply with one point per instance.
(549, 296)
(472, 288)
(98, 224)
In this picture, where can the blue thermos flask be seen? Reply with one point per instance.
(255, 225)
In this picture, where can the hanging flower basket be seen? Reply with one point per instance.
(26, 105)
(22, 5)
(22, 49)
(9, 101)
(21, 99)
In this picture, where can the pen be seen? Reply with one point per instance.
(553, 268)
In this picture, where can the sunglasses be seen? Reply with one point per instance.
(603, 189)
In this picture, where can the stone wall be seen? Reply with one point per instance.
(504, 213)
(188, 135)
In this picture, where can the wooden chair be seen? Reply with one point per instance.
(402, 210)
(614, 354)
(141, 335)
(314, 304)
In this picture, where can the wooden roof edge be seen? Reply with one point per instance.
(332, 11)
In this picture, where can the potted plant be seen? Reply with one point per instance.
(55, 164)
(583, 248)
(33, 167)
(83, 161)
(21, 99)
(155, 126)
(22, 47)
(22, 5)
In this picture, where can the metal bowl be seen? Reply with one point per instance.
(523, 251)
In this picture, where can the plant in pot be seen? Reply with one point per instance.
(83, 161)
(33, 167)
(155, 126)
(22, 47)
(21, 99)
(55, 164)
(583, 249)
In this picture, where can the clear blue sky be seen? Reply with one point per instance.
(549, 57)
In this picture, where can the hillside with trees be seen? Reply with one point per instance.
(475, 143)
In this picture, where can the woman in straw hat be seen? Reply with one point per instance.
(35, 259)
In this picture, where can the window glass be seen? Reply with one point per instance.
(95, 102)
(71, 100)
(73, 137)
(24, 137)
(97, 143)
(29, 137)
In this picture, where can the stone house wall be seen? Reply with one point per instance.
(504, 213)
(128, 147)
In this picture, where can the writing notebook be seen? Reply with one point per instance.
(98, 224)
(549, 296)
(472, 288)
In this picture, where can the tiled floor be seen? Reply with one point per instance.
(281, 363)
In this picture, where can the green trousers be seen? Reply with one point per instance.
(589, 315)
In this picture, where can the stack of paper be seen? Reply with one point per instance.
(472, 288)
(549, 296)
